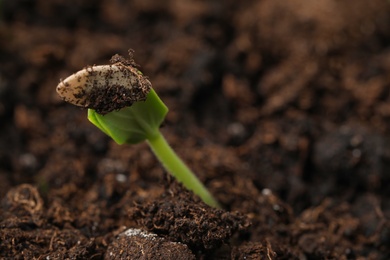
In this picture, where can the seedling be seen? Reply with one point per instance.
(122, 103)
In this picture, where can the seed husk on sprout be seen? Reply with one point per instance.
(105, 88)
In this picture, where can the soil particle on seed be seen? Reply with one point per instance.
(106, 88)
(139, 244)
(181, 216)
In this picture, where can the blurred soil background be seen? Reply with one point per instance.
(282, 108)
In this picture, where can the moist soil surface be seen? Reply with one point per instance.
(282, 109)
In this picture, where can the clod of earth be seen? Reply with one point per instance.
(105, 88)
(180, 216)
(138, 244)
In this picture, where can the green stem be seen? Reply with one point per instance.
(178, 169)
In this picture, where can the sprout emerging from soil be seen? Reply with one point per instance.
(122, 103)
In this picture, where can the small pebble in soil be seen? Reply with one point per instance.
(120, 178)
(106, 88)
(139, 244)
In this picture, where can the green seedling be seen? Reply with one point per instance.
(122, 103)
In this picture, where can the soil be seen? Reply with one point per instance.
(281, 108)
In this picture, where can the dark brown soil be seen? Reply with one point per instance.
(282, 108)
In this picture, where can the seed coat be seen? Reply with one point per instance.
(105, 88)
